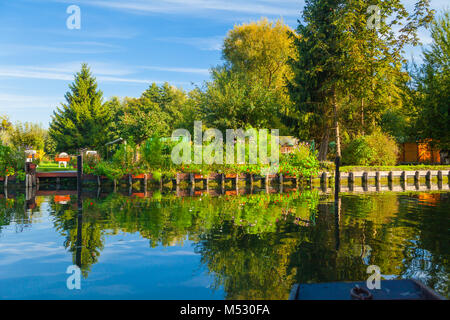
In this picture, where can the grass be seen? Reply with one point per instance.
(395, 168)
(52, 166)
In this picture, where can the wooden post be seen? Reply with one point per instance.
(377, 180)
(145, 182)
(439, 175)
(403, 180)
(130, 180)
(351, 178)
(390, 177)
(222, 183)
(416, 176)
(99, 181)
(337, 178)
(324, 179)
(280, 178)
(428, 179)
(428, 176)
(80, 173)
(365, 178)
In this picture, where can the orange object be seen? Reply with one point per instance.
(64, 198)
(420, 152)
(139, 195)
(62, 159)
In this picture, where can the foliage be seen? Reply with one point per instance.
(341, 62)
(12, 161)
(260, 49)
(152, 152)
(302, 162)
(90, 162)
(248, 90)
(375, 149)
(433, 86)
(27, 135)
(83, 121)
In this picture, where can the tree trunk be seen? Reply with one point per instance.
(323, 148)
(362, 116)
(336, 125)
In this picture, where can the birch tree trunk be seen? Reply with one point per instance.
(336, 125)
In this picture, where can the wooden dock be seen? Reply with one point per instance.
(360, 181)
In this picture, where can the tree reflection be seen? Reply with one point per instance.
(258, 246)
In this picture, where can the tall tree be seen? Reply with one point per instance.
(433, 86)
(340, 57)
(142, 118)
(249, 88)
(83, 121)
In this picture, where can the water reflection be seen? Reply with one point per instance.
(257, 246)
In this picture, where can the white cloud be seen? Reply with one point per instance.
(65, 47)
(213, 43)
(175, 69)
(198, 7)
(11, 101)
(66, 74)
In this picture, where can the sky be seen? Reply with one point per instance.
(128, 45)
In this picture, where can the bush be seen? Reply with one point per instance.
(376, 149)
(302, 162)
(12, 161)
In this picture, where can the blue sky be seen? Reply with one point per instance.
(128, 44)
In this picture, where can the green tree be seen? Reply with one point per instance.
(249, 88)
(83, 121)
(28, 135)
(141, 119)
(342, 62)
(433, 86)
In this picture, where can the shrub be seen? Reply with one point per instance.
(302, 162)
(12, 161)
(376, 149)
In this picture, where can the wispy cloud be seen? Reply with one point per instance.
(66, 74)
(213, 43)
(199, 7)
(82, 47)
(11, 101)
(175, 69)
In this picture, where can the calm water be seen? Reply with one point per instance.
(229, 247)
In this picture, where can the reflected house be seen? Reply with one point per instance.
(62, 199)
